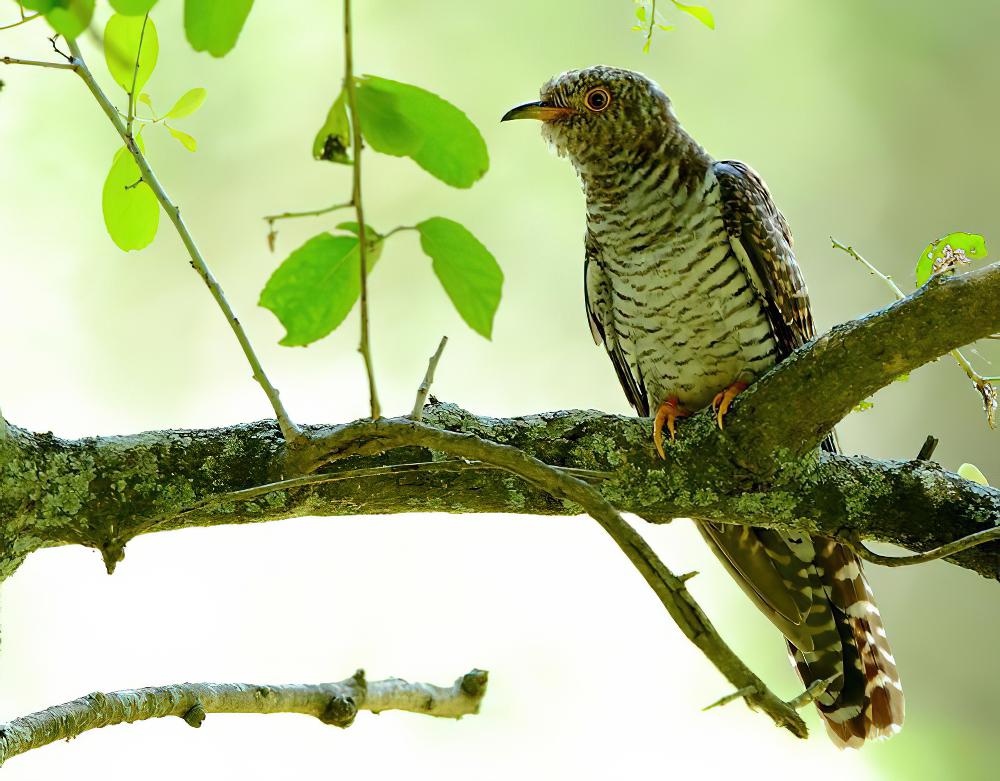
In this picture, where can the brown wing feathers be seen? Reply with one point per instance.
(841, 635)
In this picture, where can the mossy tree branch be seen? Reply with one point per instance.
(332, 703)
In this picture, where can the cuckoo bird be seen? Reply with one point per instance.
(691, 285)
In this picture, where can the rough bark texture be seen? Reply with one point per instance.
(103, 491)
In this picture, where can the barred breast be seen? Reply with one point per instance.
(686, 317)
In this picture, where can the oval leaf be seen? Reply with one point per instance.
(314, 289)
(131, 211)
(188, 103)
(121, 48)
(971, 472)
(133, 7)
(406, 121)
(699, 12)
(334, 138)
(69, 18)
(947, 252)
(187, 140)
(214, 26)
(467, 271)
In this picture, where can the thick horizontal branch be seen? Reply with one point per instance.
(331, 703)
(101, 492)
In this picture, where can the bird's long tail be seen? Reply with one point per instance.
(866, 700)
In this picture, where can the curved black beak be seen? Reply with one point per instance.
(537, 110)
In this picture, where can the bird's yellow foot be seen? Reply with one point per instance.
(667, 415)
(722, 400)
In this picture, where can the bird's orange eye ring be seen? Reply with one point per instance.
(597, 99)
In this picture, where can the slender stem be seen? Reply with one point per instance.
(425, 386)
(38, 63)
(290, 431)
(135, 76)
(652, 22)
(948, 549)
(24, 20)
(272, 218)
(364, 347)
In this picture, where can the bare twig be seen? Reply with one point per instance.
(982, 384)
(425, 386)
(37, 63)
(332, 703)
(814, 690)
(367, 437)
(949, 549)
(24, 20)
(364, 346)
(290, 431)
(928, 448)
(273, 218)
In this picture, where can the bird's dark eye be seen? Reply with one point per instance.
(598, 99)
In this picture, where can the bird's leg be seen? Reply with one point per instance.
(722, 400)
(667, 415)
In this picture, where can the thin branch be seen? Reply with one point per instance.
(135, 76)
(367, 437)
(982, 383)
(38, 63)
(273, 218)
(332, 703)
(423, 391)
(290, 431)
(949, 549)
(364, 346)
(24, 20)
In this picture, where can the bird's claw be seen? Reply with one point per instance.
(667, 415)
(723, 399)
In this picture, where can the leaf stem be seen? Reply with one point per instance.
(289, 430)
(272, 218)
(364, 347)
(135, 75)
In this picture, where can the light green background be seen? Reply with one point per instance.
(872, 121)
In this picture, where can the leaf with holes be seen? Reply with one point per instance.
(467, 270)
(122, 35)
(407, 121)
(131, 211)
(214, 25)
(333, 140)
(947, 252)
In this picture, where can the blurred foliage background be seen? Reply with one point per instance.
(871, 121)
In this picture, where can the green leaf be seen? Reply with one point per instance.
(186, 139)
(972, 245)
(69, 18)
(406, 121)
(43, 6)
(121, 47)
(467, 271)
(188, 103)
(144, 98)
(971, 472)
(334, 138)
(214, 25)
(133, 7)
(699, 12)
(315, 288)
(640, 13)
(131, 211)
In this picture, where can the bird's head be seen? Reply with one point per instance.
(600, 113)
